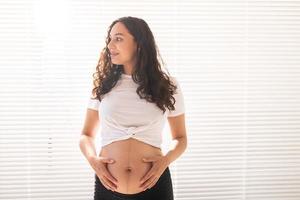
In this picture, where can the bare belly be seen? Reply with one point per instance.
(129, 167)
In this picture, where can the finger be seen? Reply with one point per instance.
(153, 183)
(150, 159)
(110, 185)
(107, 160)
(107, 186)
(147, 176)
(148, 182)
(111, 178)
(104, 184)
(108, 175)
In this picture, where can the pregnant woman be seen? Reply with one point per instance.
(131, 100)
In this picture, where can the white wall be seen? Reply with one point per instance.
(238, 66)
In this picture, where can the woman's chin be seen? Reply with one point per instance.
(116, 63)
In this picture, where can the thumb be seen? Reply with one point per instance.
(150, 159)
(107, 160)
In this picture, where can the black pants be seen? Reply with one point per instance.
(162, 190)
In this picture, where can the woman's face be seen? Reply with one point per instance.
(122, 46)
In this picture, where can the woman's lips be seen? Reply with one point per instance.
(113, 55)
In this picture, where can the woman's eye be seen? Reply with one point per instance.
(115, 39)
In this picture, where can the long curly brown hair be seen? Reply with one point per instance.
(154, 85)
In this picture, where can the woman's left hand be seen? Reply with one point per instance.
(159, 164)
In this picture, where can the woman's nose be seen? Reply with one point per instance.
(110, 45)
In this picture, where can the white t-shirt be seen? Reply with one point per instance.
(123, 114)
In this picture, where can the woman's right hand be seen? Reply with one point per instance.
(99, 164)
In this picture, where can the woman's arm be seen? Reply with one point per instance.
(178, 131)
(177, 126)
(88, 134)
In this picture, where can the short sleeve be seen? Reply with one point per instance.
(179, 101)
(93, 103)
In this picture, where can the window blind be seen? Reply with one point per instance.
(238, 66)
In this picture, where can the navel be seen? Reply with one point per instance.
(128, 169)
